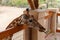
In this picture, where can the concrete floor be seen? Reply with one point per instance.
(7, 14)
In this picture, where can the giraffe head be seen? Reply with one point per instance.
(32, 22)
(27, 19)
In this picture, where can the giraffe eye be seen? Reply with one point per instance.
(30, 20)
(25, 17)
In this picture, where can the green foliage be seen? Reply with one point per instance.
(19, 3)
(42, 1)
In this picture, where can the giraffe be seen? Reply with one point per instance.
(27, 19)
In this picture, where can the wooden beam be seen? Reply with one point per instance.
(58, 14)
(50, 14)
(57, 30)
(11, 31)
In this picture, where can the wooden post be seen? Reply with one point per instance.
(31, 34)
(41, 35)
(52, 24)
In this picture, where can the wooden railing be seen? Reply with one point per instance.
(58, 14)
(11, 31)
(48, 16)
(57, 30)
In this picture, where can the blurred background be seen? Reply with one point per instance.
(24, 3)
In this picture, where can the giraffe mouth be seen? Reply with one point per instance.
(42, 29)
